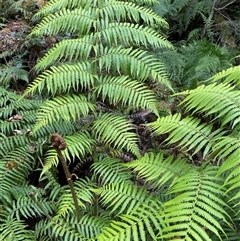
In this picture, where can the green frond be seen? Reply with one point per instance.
(157, 170)
(9, 73)
(189, 132)
(63, 127)
(26, 207)
(12, 142)
(78, 20)
(67, 108)
(90, 226)
(51, 159)
(220, 99)
(198, 204)
(123, 197)
(134, 62)
(128, 34)
(66, 205)
(143, 2)
(56, 5)
(62, 79)
(15, 168)
(116, 131)
(228, 148)
(15, 230)
(126, 91)
(109, 170)
(140, 225)
(230, 75)
(58, 230)
(78, 145)
(68, 50)
(125, 11)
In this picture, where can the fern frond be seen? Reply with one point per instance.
(198, 204)
(65, 108)
(132, 61)
(27, 208)
(187, 132)
(90, 226)
(56, 5)
(15, 168)
(230, 75)
(128, 34)
(125, 11)
(157, 170)
(12, 142)
(111, 170)
(58, 229)
(228, 148)
(116, 131)
(123, 197)
(140, 225)
(77, 20)
(62, 79)
(69, 49)
(220, 99)
(126, 91)
(51, 160)
(78, 145)
(13, 229)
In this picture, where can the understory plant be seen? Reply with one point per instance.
(137, 172)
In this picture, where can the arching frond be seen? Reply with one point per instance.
(157, 170)
(230, 75)
(134, 62)
(123, 197)
(68, 49)
(117, 131)
(189, 132)
(62, 79)
(78, 20)
(65, 108)
(198, 207)
(125, 11)
(90, 226)
(140, 225)
(56, 5)
(128, 34)
(126, 91)
(220, 99)
(13, 229)
(78, 145)
(111, 170)
(228, 148)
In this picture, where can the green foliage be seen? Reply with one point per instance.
(96, 87)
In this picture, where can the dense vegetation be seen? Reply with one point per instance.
(119, 120)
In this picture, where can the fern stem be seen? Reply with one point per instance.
(59, 145)
(70, 182)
